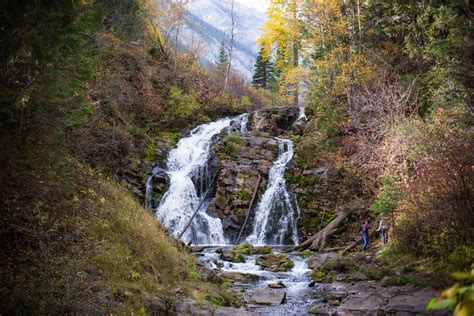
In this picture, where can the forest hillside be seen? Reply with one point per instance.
(357, 111)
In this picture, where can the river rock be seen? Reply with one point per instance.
(230, 311)
(196, 248)
(277, 285)
(275, 262)
(268, 296)
(232, 256)
(240, 277)
(316, 310)
(263, 250)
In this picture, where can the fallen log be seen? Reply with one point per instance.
(318, 241)
(250, 208)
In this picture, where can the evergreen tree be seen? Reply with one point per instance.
(223, 56)
(263, 76)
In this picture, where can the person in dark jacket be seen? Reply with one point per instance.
(365, 235)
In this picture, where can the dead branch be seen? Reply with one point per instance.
(318, 241)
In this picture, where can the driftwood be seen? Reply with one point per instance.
(318, 241)
(197, 209)
(250, 208)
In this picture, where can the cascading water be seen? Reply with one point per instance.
(301, 113)
(244, 121)
(187, 161)
(277, 213)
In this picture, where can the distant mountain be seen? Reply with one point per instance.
(209, 23)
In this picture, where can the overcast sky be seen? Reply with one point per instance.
(260, 5)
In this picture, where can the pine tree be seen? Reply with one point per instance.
(263, 75)
(223, 57)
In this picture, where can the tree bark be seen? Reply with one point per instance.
(231, 47)
(318, 241)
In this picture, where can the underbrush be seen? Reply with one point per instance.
(98, 251)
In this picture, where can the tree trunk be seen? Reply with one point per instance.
(318, 241)
(231, 47)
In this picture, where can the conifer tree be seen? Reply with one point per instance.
(223, 57)
(263, 75)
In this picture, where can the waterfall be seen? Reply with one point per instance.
(301, 113)
(277, 213)
(188, 161)
(149, 192)
(244, 121)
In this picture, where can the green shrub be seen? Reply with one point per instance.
(181, 105)
(232, 144)
(387, 201)
(397, 280)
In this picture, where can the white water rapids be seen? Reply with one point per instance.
(181, 199)
(187, 166)
(276, 214)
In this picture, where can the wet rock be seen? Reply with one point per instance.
(240, 277)
(263, 250)
(230, 311)
(232, 256)
(245, 249)
(277, 285)
(299, 127)
(268, 297)
(197, 248)
(411, 303)
(315, 310)
(275, 262)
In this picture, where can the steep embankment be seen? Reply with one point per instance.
(86, 100)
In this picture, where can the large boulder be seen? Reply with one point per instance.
(318, 260)
(299, 127)
(232, 256)
(275, 262)
(414, 303)
(274, 121)
(268, 296)
(364, 304)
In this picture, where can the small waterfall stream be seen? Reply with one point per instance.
(274, 220)
(301, 113)
(276, 215)
(187, 161)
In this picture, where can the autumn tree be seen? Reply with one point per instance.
(283, 33)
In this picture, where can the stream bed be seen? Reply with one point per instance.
(299, 296)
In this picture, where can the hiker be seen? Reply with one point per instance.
(365, 235)
(383, 230)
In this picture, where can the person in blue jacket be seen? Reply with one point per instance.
(365, 235)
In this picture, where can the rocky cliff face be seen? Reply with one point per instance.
(241, 158)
